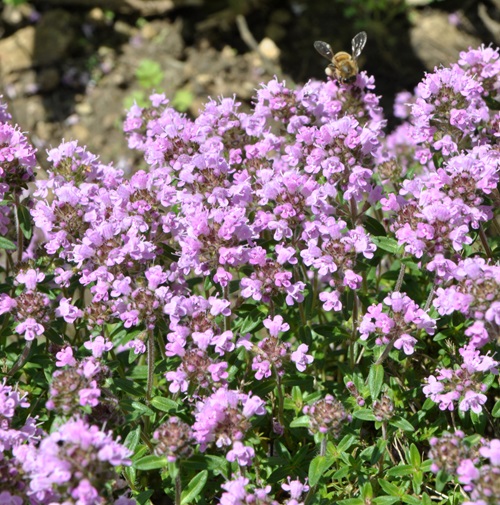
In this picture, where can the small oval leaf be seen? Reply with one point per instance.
(151, 462)
(375, 380)
(194, 488)
(163, 404)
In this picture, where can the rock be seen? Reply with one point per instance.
(44, 130)
(96, 15)
(438, 42)
(123, 28)
(17, 51)
(29, 111)
(490, 23)
(16, 15)
(54, 36)
(149, 31)
(80, 133)
(83, 109)
(11, 15)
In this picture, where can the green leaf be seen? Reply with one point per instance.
(6, 244)
(251, 322)
(375, 380)
(144, 409)
(297, 395)
(426, 465)
(492, 103)
(426, 500)
(374, 226)
(300, 422)
(128, 387)
(163, 404)
(401, 423)
(346, 442)
(194, 488)
(364, 414)
(415, 458)
(133, 439)
(412, 500)
(387, 244)
(367, 491)
(319, 465)
(340, 474)
(385, 500)
(182, 100)
(143, 497)
(389, 488)
(25, 223)
(149, 73)
(151, 462)
(496, 409)
(399, 471)
(417, 480)
(130, 473)
(442, 479)
(478, 420)
(351, 501)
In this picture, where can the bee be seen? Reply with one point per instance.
(343, 66)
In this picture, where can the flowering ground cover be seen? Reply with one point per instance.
(287, 307)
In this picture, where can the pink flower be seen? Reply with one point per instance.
(65, 357)
(301, 359)
(30, 328)
(241, 453)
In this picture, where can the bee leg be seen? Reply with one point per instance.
(330, 70)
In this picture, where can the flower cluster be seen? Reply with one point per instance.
(31, 307)
(209, 308)
(237, 493)
(77, 461)
(224, 418)
(479, 477)
(173, 439)
(327, 415)
(396, 329)
(450, 133)
(12, 482)
(482, 480)
(465, 384)
(17, 164)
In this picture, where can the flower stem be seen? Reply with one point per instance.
(20, 236)
(151, 364)
(484, 242)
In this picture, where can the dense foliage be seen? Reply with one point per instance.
(286, 307)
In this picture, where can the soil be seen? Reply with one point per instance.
(69, 68)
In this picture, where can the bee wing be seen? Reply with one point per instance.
(324, 49)
(358, 42)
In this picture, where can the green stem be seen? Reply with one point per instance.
(20, 236)
(354, 211)
(352, 351)
(178, 488)
(401, 275)
(387, 350)
(22, 358)
(322, 446)
(281, 400)
(151, 364)
(484, 243)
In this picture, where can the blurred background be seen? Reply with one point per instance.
(70, 68)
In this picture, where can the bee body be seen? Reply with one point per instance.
(343, 66)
